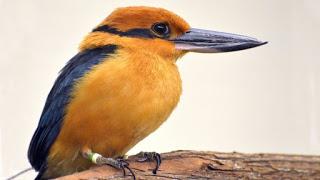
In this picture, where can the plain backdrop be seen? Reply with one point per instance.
(265, 99)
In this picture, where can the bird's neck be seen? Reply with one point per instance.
(148, 65)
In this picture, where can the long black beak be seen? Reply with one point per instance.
(204, 41)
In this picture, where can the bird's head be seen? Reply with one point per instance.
(161, 32)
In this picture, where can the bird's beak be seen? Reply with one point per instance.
(204, 41)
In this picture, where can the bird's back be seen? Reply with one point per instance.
(60, 95)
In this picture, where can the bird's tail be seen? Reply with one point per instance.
(19, 173)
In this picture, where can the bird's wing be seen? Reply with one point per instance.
(59, 96)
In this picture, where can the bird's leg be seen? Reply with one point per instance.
(150, 156)
(98, 159)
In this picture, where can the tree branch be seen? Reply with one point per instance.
(214, 165)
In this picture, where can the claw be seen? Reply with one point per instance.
(158, 161)
(150, 156)
(122, 164)
(129, 169)
(118, 163)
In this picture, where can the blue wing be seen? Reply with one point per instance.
(59, 96)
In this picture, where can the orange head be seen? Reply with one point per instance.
(161, 32)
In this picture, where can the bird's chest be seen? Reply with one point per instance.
(122, 102)
(155, 94)
(115, 106)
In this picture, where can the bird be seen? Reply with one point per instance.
(120, 87)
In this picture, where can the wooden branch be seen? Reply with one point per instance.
(214, 165)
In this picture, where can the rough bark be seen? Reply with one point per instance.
(214, 165)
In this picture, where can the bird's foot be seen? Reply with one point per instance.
(150, 156)
(118, 163)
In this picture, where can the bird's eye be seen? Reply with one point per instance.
(161, 29)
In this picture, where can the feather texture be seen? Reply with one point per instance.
(58, 98)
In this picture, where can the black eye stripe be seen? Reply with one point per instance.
(144, 33)
(158, 30)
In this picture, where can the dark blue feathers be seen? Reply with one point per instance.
(59, 96)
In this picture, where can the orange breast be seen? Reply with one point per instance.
(116, 105)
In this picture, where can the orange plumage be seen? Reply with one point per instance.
(120, 87)
(122, 100)
(116, 105)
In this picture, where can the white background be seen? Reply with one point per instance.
(265, 99)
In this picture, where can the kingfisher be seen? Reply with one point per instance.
(120, 87)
